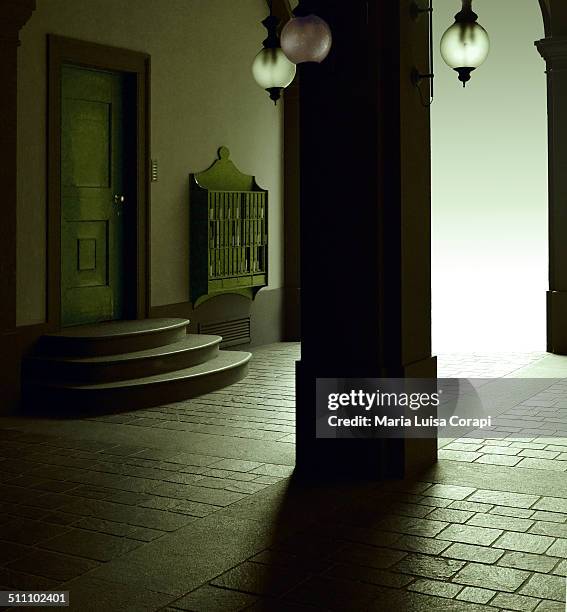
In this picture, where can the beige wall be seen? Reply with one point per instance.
(203, 96)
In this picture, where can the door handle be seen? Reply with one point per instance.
(119, 201)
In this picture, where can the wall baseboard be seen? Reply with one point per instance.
(182, 310)
(14, 346)
(266, 313)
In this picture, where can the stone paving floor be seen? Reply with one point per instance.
(190, 507)
(531, 433)
(484, 365)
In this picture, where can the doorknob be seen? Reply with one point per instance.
(119, 200)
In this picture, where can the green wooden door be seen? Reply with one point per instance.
(92, 196)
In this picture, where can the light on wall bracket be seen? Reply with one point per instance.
(416, 11)
(464, 46)
(417, 76)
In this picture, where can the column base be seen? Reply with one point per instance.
(557, 322)
(292, 314)
(10, 358)
(362, 459)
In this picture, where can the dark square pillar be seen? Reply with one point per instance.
(365, 226)
(14, 14)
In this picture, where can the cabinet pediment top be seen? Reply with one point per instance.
(223, 175)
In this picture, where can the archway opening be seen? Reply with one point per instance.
(490, 189)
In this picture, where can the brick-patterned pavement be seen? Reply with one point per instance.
(190, 507)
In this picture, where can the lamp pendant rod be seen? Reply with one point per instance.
(431, 52)
(271, 24)
(466, 14)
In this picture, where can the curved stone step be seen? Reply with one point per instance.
(193, 350)
(113, 338)
(226, 369)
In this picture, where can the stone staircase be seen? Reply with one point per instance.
(125, 365)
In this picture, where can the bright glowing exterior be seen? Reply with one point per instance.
(272, 69)
(465, 45)
(306, 39)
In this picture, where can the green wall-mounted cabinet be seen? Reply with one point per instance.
(228, 232)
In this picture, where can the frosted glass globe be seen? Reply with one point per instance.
(306, 39)
(272, 69)
(465, 45)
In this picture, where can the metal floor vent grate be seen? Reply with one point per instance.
(233, 332)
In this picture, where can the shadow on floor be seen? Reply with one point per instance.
(341, 546)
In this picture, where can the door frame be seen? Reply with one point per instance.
(60, 51)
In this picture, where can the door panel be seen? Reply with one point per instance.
(86, 144)
(92, 220)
